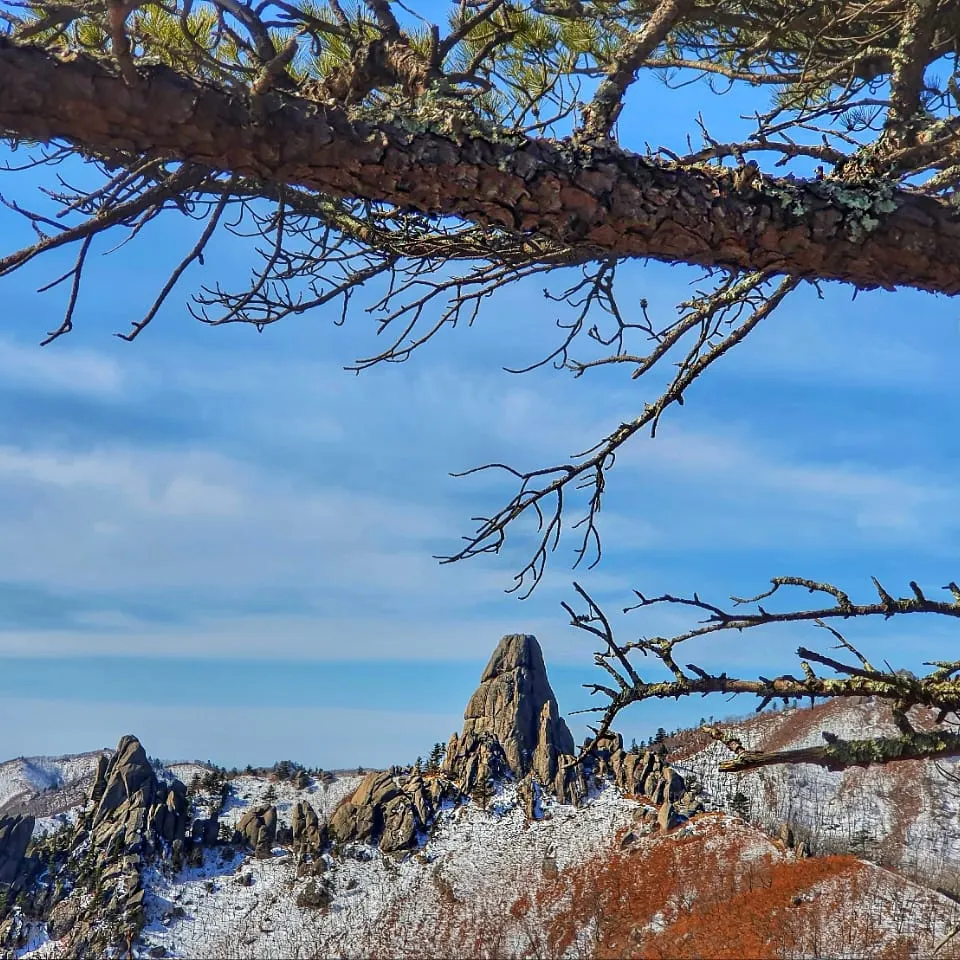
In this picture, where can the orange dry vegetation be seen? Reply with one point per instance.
(721, 896)
(723, 891)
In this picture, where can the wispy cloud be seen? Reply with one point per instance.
(298, 638)
(829, 341)
(761, 480)
(70, 370)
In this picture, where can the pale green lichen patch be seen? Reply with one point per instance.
(862, 204)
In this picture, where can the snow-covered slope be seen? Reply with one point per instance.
(905, 814)
(480, 860)
(588, 882)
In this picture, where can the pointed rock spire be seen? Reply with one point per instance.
(515, 704)
(512, 724)
(512, 727)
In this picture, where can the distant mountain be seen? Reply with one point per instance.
(45, 786)
(507, 848)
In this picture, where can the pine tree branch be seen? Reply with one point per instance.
(603, 199)
(602, 112)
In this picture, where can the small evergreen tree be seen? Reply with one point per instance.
(436, 757)
(862, 843)
(740, 805)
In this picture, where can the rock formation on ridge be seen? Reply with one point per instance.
(308, 835)
(512, 730)
(512, 725)
(258, 827)
(15, 833)
(130, 815)
(391, 810)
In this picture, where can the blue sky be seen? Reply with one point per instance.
(222, 542)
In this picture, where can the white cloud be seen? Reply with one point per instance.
(810, 341)
(61, 368)
(167, 485)
(741, 476)
(124, 518)
(298, 638)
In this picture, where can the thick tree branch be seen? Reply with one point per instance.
(611, 201)
(840, 754)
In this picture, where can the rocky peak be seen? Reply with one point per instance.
(127, 780)
(130, 815)
(512, 729)
(515, 704)
(512, 725)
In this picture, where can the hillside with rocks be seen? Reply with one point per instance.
(512, 846)
(905, 815)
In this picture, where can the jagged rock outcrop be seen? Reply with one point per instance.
(15, 834)
(100, 778)
(130, 815)
(390, 810)
(512, 729)
(63, 917)
(667, 815)
(512, 725)
(314, 894)
(308, 833)
(129, 807)
(515, 703)
(301, 781)
(258, 827)
(206, 830)
(646, 773)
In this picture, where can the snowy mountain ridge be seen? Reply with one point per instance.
(500, 850)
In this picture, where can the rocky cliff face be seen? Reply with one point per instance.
(15, 833)
(130, 815)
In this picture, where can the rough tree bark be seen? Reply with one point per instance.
(597, 198)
